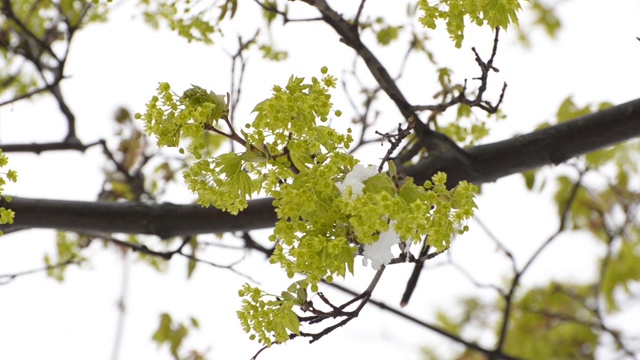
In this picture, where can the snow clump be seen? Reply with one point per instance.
(379, 253)
(355, 179)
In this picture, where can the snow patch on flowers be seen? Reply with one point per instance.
(355, 179)
(378, 253)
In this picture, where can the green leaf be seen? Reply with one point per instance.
(162, 334)
(568, 110)
(551, 323)
(411, 193)
(191, 264)
(494, 13)
(194, 323)
(378, 183)
(387, 34)
(300, 157)
(622, 269)
(529, 178)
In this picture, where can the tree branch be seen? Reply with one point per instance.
(351, 37)
(164, 220)
(7, 278)
(53, 146)
(434, 141)
(551, 145)
(472, 346)
(515, 282)
(490, 162)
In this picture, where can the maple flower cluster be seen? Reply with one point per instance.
(318, 232)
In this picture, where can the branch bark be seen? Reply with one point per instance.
(549, 146)
(490, 162)
(164, 220)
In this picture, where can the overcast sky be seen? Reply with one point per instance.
(119, 64)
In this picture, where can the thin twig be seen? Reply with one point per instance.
(236, 81)
(356, 19)
(477, 101)
(492, 354)
(7, 278)
(28, 94)
(496, 241)
(338, 311)
(168, 255)
(271, 7)
(516, 278)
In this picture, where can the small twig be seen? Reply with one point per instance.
(395, 140)
(492, 354)
(361, 117)
(285, 19)
(516, 278)
(236, 84)
(29, 94)
(461, 97)
(250, 243)
(254, 357)
(338, 311)
(356, 19)
(475, 282)
(122, 306)
(168, 255)
(7, 278)
(498, 243)
(606, 261)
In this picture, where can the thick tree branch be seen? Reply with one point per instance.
(490, 162)
(164, 220)
(552, 145)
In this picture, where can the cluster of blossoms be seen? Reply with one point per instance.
(329, 208)
(379, 253)
(6, 215)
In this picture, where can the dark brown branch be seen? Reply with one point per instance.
(491, 354)
(551, 145)
(42, 147)
(412, 282)
(395, 140)
(36, 57)
(64, 108)
(164, 220)
(611, 236)
(432, 140)
(498, 243)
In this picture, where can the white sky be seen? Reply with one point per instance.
(594, 59)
